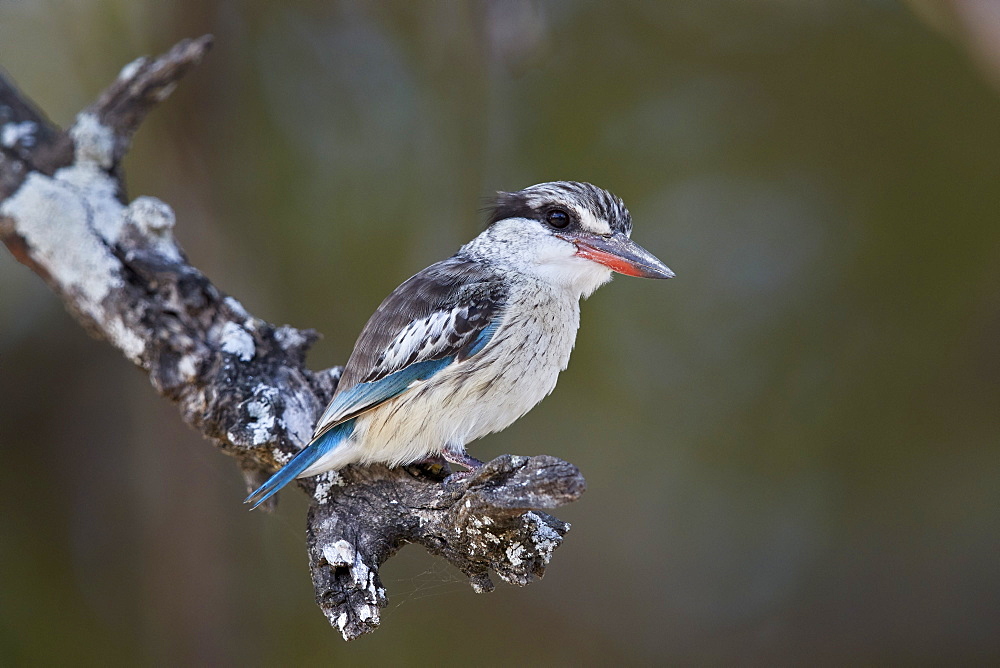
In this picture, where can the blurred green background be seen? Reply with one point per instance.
(791, 449)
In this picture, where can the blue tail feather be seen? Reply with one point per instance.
(300, 462)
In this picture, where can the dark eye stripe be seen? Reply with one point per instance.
(534, 202)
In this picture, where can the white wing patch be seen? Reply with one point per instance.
(453, 333)
(439, 334)
(415, 342)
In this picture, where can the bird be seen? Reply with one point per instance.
(467, 346)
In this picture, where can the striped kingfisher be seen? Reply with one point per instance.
(470, 344)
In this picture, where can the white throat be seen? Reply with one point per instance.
(522, 246)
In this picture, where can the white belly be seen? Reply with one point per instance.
(481, 395)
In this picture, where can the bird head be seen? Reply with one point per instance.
(567, 233)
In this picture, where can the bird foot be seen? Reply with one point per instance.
(462, 459)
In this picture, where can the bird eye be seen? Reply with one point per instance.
(557, 218)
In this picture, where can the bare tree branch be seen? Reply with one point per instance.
(241, 381)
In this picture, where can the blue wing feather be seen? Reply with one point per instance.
(483, 338)
(444, 315)
(300, 462)
(425, 355)
(367, 395)
(364, 396)
(360, 398)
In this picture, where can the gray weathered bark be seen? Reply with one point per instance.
(239, 380)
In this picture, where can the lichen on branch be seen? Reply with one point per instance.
(237, 379)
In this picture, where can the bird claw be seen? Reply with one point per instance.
(463, 459)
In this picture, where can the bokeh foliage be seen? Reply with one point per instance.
(791, 449)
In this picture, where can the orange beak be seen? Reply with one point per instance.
(619, 253)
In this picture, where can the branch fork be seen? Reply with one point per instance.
(239, 380)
